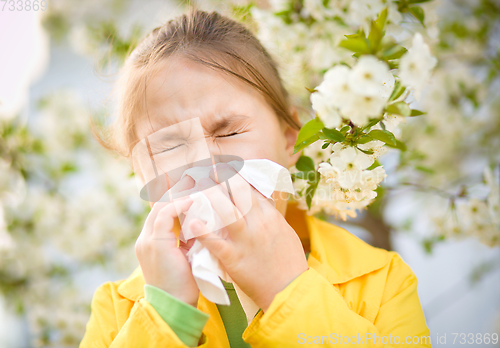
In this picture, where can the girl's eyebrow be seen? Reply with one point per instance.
(225, 121)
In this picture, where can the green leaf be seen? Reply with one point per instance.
(372, 123)
(304, 164)
(305, 143)
(364, 139)
(375, 164)
(344, 130)
(308, 134)
(416, 112)
(358, 45)
(322, 136)
(368, 152)
(380, 22)
(377, 30)
(354, 36)
(333, 134)
(428, 244)
(383, 135)
(311, 90)
(425, 169)
(294, 176)
(282, 13)
(310, 190)
(309, 129)
(68, 167)
(313, 177)
(395, 52)
(305, 176)
(325, 145)
(375, 36)
(399, 108)
(398, 90)
(418, 12)
(399, 145)
(393, 64)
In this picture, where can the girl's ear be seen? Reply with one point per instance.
(291, 138)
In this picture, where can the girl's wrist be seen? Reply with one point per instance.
(179, 295)
(189, 301)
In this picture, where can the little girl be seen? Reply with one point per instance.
(314, 282)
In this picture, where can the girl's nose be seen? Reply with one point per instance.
(203, 149)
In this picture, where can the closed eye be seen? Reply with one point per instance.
(227, 135)
(169, 149)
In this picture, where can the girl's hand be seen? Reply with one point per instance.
(261, 252)
(163, 264)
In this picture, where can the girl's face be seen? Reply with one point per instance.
(235, 118)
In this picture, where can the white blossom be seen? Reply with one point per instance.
(315, 9)
(335, 86)
(6, 241)
(415, 65)
(360, 108)
(378, 147)
(325, 109)
(323, 53)
(359, 93)
(371, 77)
(493, 199)
(362, 11)
(279, 5)
(370, 179)
(348, 164)
(449, 226)
(316, 152)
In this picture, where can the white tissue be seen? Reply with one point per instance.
(266, 177)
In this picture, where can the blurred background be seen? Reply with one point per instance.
(70, 211)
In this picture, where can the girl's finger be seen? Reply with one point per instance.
(186, 184)
(239, 189)
(229, 214)
(164, 222)
(217, 245)
(264, 202)
(253, 215)
(259, 205)
(150, 219)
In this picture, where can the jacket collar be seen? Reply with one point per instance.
(335, 253)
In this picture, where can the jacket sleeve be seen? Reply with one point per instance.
(142, 326)
(310, 310)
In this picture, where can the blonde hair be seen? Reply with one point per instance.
(211, 39)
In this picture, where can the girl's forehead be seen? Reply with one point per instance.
(186, 90)
(211, 124)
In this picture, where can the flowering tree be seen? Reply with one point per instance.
(67, 208)
(375, 65)
(374, 81)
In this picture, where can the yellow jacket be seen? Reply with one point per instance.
(352, 293)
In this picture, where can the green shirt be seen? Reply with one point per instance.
(188, 322)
